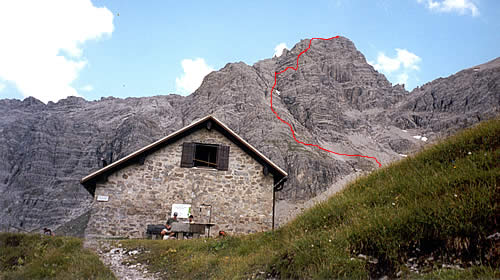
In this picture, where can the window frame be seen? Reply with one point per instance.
(209, 164)
(188, 156)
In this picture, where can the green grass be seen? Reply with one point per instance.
(24, 256)
(442, 202)
(477, 272)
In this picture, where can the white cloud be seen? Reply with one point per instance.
(386, 64)
(448, 6)
(278, 50)
(403, 58)
(402, 78)
(87, 88)
(41, 50)
(397, 68)
(194, 72)
(2, 86)
(408, 59)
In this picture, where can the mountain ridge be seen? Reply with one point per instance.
(335, 99)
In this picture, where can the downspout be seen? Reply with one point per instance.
(277, 188)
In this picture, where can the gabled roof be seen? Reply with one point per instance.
(134, 157)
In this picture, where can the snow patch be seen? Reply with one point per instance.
(423, 138)
(403, 155)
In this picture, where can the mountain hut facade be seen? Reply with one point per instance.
(203, 164)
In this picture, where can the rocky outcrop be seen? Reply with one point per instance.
(454, 102)
(335, 99)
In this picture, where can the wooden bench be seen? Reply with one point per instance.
(181, 229)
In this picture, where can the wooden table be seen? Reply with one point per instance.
(196, 229)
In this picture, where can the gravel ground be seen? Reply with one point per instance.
(117, 259)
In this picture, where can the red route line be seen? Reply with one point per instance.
(293, 132)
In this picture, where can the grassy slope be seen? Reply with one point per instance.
(25, 256)
(441, 203)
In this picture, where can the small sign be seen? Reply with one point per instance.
(183, 210)
(102, 198)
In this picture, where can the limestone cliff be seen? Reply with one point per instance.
(335, 99)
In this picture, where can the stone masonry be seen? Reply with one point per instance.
(139, 195)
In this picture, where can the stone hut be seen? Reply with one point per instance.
(203, 164)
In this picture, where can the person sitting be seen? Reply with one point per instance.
(47, 231)
(189, 235)
(167, 231)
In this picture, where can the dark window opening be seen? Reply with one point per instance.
(205, 155)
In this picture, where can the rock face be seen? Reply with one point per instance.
(334, 99)
(455, 102)
(46, 149)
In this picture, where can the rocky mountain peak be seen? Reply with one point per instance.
(70, 101)
(32, 102)
(334, 99)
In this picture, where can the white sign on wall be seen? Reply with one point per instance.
(102, 198)
(183, 210)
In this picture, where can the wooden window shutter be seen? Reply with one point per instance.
(223, 157)
(187, 158)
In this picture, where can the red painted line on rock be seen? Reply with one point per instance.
(289, 125)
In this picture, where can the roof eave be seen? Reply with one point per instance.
(109, 167)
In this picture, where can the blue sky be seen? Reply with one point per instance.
(102, 48)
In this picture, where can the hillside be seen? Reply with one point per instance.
(431, 215)
(25, 256)
(335, 99)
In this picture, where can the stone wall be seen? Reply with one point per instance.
(139, 195)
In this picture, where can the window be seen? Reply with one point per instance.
(205, 155)
(208, 155)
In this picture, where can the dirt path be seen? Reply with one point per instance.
(118, 260)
